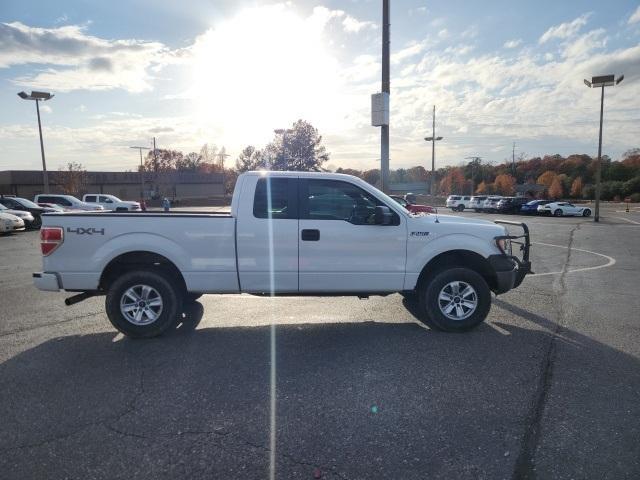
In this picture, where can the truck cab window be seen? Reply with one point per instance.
(336, 200)
(282, 206)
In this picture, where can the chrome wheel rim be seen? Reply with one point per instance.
(141, 304)
(457, 300)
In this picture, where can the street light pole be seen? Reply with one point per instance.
(601, 81)
(433, 139)
(141, 171)
(37, 96)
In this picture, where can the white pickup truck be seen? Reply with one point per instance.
(288, 233)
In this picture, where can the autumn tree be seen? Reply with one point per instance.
(452, 182)
(505, 184)
(73, 179)
(547, 178)
(555, 190)
(372, 176)
(576, 188)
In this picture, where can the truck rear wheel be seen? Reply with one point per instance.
(142, 303)
(454, 300)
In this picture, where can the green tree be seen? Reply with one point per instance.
(250, 158)
(299, 149)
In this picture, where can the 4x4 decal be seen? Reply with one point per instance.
(86, 231)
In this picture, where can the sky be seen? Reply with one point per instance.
(229, 72)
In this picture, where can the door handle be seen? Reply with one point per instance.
(310, 235)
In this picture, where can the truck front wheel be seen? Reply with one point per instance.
(142, 304)
(454, 300)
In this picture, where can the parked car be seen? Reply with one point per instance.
(110, 202)
(10, 223)
(413, 207)
(22, 204)
(511, 204)
(531, 208)
(26, 217)
(288, 233)
(53, 208)
(477, 202)
(458, 203)
(490, 205)
(67, 201)
(560, 209)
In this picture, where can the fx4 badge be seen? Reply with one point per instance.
(85, 231)
(418, 234)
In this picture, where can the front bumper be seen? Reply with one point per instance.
(46, 281)
(510, 270)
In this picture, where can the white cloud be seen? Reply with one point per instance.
(421, 10)
(635, 16)
(444, 33)
(565, 30)
(353, 25)
(512, 43)
(75, 60)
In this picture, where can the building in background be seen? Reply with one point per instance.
(125, 185)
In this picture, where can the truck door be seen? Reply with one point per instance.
(341, 249)
(267, 235)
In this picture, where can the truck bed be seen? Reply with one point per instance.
(201, 245)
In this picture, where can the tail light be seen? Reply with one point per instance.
(50, 239)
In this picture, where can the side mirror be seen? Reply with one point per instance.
(383, 215)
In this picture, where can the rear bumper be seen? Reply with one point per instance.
(46, 281)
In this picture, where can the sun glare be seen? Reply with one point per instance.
(263, 69)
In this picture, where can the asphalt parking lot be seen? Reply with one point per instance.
(548, 387)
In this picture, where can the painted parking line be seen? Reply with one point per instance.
(610, 260)
(627, 220)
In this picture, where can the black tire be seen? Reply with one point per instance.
(430, 289)
(586, 212)
(410, 295)
(37, 223)
(557, 213)
(191, 297)
(169, 294)
(478, 210)
(461, 208)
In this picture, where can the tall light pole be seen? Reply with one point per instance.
(433, 139)
(38, 96)
(141, 171)
(601, 82)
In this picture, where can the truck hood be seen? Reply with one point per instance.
(449, 224)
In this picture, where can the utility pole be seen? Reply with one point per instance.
(474, 161)
(513, 159)
(433, 139)
(386, 88)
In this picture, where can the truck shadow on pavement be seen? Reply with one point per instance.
(360, 400)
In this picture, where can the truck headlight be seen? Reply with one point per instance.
(504, 245)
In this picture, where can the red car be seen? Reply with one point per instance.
(413, 207)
